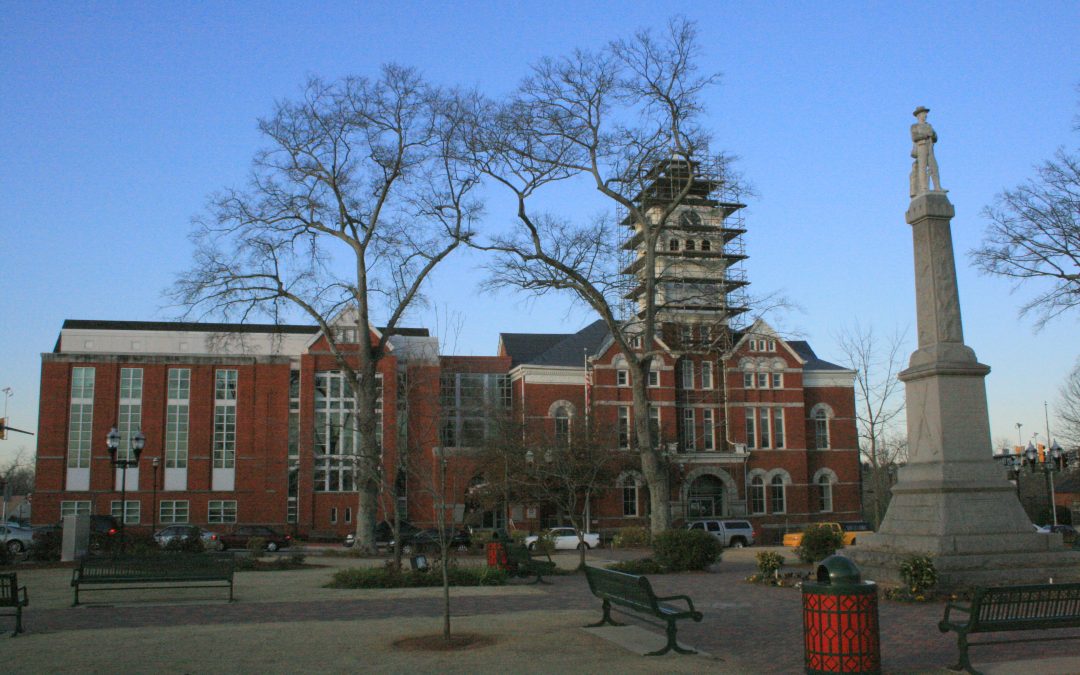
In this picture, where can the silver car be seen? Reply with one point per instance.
(17, 539)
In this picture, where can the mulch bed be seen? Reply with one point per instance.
(437, 643)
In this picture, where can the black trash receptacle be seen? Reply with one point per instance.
(840, 620)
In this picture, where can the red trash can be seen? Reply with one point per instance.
(840, 620)
(496, 555)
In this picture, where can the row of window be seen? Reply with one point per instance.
(689, 244)
(764, 427)
(129, 416)
(774, 494)
(170, 512)
(761, 345)
(688, 374)
(692, 437)
(468, 401)
(763, 380)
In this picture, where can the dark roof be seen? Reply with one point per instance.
(554, 349)
(802, 348)
(216, 327)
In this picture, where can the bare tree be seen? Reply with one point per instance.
(624, 119)
(879, 406)
(567, 469)
(18, 472)
(1034, 237)
(1068, 407)
(356, 200)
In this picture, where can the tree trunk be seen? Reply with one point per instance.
(653, 466)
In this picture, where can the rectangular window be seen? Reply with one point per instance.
(709, 433)
(221, 511)
(688, 429)
(470, 402)
(131, 512)
(348, 514)
(176, 419)
(629, 498)
(748, 380)
(81, 419)
(129, 414)
(778, 428)
(624, 427)
(757, 495)
(777, 381)
(622, 377)
(654, 377)
(762, 380)
(333, 514)
(174, 511)
(687, 368)
(772, 345)
(337, 437)
(751, 437)
(225, 419)
(74, 508)
(763, 428)
(654, 426)
(706, 374)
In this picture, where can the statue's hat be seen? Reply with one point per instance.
(920, 109)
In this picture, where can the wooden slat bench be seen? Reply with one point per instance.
(1012, 608)
(194, 570)
(522, 564)
(635, 593)
(14, 597)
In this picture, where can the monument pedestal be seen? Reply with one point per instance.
(951, 500)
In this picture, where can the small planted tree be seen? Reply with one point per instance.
(819, 542)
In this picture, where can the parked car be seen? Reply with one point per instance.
(239, 537)
(384, 534)
(187, 533)
(731, 533)
(566, 538)
(16, 539)
(428, 540)
(794, 539)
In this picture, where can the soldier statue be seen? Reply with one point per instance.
(924, 168)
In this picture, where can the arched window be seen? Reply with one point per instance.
(562, 426)
(706, 245)
(757, 495)
(821, 429)
(824, 485)
(777, 496)
(689, 244)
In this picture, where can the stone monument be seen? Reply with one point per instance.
(951, 500)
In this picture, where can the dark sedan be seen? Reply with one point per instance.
(239, 538)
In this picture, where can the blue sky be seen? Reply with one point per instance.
(119, 119)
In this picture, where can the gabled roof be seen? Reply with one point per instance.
(802, 348)
(554, 349)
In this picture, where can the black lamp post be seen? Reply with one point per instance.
(153, 513)
(112, 442)
(1052, 461)
(1013, 463)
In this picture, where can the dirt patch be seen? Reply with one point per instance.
(437, 643)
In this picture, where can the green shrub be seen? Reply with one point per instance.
(185, 546)
(632, 537)
(679, 550)
(919, 575)
(640, 566)
(819, 542)
(545, 543)
(256, 546)
(388, 577)
(769, 564)
(46, 546)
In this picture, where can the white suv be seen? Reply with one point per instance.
(733, 533)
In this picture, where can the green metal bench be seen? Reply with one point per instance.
(635, 593)
(1012, 608)
(195, 570)
(15, 597)
(521, 563)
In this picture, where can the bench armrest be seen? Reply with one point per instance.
(951, 606)
(689, 602)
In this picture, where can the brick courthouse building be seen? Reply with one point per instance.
(250, 424)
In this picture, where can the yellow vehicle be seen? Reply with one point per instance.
(850, 531)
